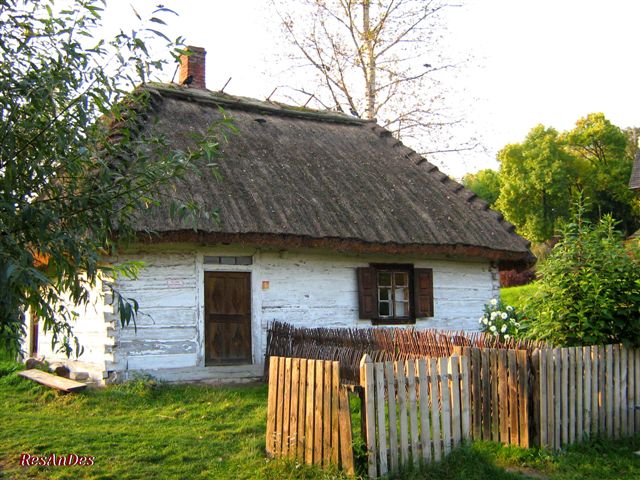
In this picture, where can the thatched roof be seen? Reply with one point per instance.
(294, 177)
(634, 181)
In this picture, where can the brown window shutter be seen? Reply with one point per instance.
(367, 292)
(423, 291)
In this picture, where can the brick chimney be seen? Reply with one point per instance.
(192, 68)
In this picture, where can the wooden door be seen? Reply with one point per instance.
(227, 312)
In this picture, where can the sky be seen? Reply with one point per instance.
(532, 62)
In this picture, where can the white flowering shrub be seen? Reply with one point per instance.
(500, 320)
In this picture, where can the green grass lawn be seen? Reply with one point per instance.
(517, 296)
(145, 431)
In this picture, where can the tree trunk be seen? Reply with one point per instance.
(371, 62)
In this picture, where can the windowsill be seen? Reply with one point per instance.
(393, 321)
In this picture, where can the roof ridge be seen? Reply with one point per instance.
(452, 185)
(252, 104)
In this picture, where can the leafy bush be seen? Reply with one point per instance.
(589, 291)
(500, 320)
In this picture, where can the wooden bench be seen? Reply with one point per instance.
(53, 381)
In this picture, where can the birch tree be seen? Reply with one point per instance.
(375, 59)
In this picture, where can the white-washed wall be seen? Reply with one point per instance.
(167, 332)
(305, 289)
(321, 290)
(91, 330)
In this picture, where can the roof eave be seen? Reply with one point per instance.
(506, 259)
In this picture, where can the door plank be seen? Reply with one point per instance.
(227, 317)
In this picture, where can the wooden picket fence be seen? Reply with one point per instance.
(308, 413)
(417, 410)
(501, 395)
(553, 397)
(414, 411)
(585, 391)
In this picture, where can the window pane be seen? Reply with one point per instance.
(401, 279)
(384, 309)
(402, 294)
(401, 309)
(384, 279)
(384, 293)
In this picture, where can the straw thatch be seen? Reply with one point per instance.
(294, 178)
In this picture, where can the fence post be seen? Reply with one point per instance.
(543, 399)
(346, 440)
(503, 394)
(425, 432)
(271, 406)
(393, 424)
(485, 392)
(309, 412)
(378, 369)
(466, 398)
(435, 410)
(524, 400)
(413, 410)
(454, 368)
(335, 409)
(513, 398)
(609, 390)
(579, 395)
(476, 418)
(587, 402)
(534, 398)
(286, 413)
(368, 383)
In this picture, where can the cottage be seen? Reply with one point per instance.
(325, 220)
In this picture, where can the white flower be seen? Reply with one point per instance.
(492, 328)
(485, 321)
(507, 336)
(504, 315)
(482, 319)
(509, 308)
(494, 315)
(493, 301)
(504, 328)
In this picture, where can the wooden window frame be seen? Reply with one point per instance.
(394, 320)
(421, 294)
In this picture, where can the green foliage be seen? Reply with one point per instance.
(500, 320)
(605, 162)
(75, 167)
(594, 459)
(517, 296)
(485, 184)
(589, 291)
(536, 176)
